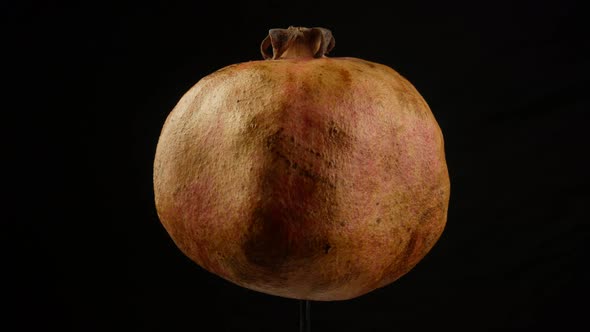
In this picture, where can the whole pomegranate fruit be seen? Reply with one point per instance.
(303, 176)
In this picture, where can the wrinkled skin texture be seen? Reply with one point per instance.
(319, 179)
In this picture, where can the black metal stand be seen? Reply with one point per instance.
(304, 316)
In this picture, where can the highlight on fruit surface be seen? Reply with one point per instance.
(301, 175)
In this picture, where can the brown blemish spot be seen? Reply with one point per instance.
(333, 131)
(253, 124)
(290, 77)
(267, 246)
(345, 76)
(307, 89)
(319, 80)
(411, 246)
(378, 221)
(338, 136)
(430, 214)
(304, 171)
(342, 223)
(314, 152)
(327, 248)
(272, 139)
(282, 157)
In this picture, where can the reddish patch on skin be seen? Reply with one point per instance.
(418, 159)
(195, 217)
(195, 202)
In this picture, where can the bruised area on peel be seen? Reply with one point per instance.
(308, 178)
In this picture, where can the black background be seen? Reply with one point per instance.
(92, 83)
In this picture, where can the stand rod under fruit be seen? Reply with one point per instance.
(304, 316)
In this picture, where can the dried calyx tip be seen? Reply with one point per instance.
(297, 42)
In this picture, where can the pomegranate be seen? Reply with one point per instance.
(300, 175)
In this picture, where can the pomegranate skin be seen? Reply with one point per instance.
(307, 178)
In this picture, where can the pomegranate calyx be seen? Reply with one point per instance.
(297, 42)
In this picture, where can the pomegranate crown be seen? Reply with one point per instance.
(297, 42)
